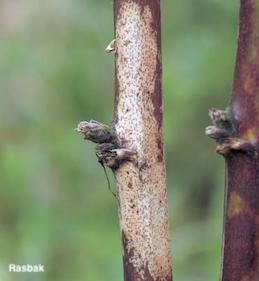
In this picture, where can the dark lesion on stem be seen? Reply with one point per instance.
(108, 150)
(224, 131)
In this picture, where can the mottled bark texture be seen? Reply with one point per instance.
(141, 184)
(239, 143)
(133, 146)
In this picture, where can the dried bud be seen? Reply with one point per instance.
(218, 116)
(222, 122)
(225, 134)
(237, 144)
(222, 119)
(108, 151)
(96, 132)
(216, 133)
(111, 156)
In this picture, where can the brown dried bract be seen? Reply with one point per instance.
(108, 151)
(113, 157)
(97, 132)
(222, 124)
(224, 132)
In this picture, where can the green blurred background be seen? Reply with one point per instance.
(55, 208)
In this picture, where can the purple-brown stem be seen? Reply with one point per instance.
(241, 233)
(237, 134)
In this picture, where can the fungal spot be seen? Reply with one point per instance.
(236, 205)
(250, 135)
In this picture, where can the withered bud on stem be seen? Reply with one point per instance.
(224, 132)
(108, 151)
(113, 157)
(97, 132)
(222, 124)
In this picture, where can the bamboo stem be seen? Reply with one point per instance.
(141, 184)
(237, 134)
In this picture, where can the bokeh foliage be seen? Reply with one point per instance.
(55, 207)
